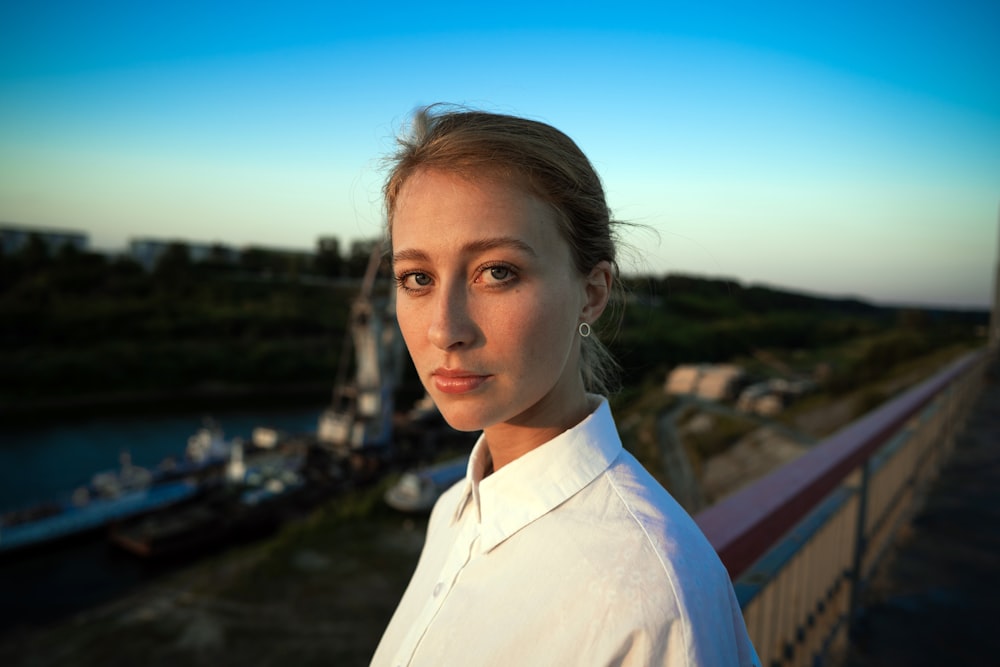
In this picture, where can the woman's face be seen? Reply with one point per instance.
(488, 301)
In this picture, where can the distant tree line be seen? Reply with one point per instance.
(677, 319)
(75, 323)
(327, 260)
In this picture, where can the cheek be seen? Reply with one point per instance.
(408, 319)
(533, 329)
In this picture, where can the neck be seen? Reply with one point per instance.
(511, 440)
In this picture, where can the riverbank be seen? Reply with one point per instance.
(318, 593)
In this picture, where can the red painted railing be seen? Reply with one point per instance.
(745, 525)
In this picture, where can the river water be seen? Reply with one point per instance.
(49, 461)
(41, 462)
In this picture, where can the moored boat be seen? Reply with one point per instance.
(116, 495)
(255, 495)
(67, 519)
(418, 490)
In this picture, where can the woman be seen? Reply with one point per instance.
(558, 548)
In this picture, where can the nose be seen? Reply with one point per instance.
(451, 324)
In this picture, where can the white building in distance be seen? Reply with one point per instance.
(13, 238)
(718, 382)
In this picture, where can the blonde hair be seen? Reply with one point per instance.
(533, 155)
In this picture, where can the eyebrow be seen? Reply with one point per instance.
(474, 247)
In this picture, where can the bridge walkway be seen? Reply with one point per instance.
(937, 600)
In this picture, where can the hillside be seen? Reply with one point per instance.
(79, 328)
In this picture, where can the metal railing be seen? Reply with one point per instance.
(801, 542)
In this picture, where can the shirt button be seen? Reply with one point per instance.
(437, 589)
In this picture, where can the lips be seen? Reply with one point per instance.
(457, 381)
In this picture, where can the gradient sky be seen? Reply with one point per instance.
(847, 150)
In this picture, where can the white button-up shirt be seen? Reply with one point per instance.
(571, 554)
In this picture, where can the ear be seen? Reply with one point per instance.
(597, 291)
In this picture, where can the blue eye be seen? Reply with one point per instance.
(499, 273)
(413, 282)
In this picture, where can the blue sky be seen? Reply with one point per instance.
(848, 149)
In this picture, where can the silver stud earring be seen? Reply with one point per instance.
(584, 329)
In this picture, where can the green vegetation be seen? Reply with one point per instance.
(724, 432)
(76, 325)
(681, 319)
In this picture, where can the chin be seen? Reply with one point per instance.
(462, 416)
(460, 421)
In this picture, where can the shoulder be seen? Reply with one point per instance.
(645, 506)
(709, 622)
(625, 524)
(447, 504)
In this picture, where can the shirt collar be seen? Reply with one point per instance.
(539, 481)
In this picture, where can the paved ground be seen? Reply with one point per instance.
(938, 601)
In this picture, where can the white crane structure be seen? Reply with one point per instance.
(361, 414)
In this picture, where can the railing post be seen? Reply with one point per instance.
(860, 546)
